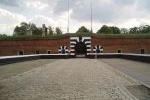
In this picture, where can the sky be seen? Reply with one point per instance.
(120, 13)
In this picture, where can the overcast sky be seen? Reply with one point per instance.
(121, 13)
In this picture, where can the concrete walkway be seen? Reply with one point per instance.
(68, 79)
(137, 70)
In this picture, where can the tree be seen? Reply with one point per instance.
(24, 24)
(16, 30)
(144, 29)
(124, 31)
(115, 30)
(82, 30)
(105, 30)
(58, 31)
(26, 29)
(108, 30)
(37, 32)
(32, 26)
(3, 36)
(22, 30)
(51, 32)
(134, 30)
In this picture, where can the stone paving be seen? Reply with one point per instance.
(68, 79)
(137, 70)
(10, 70)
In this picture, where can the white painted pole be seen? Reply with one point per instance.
(91, 16)
(68, 26)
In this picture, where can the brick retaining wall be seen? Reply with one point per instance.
(110, 45)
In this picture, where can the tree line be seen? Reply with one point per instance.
(27, 29)
(24, 30)
(30, 29)
(144, 29)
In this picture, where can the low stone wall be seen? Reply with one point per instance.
(136, 57)
(15, 59)
(103, 55)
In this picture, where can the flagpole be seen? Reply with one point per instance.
(91, 16)
(68, 17)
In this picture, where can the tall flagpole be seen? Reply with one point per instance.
(91, 16)
(68, 17)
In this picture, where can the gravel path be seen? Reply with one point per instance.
(68, 79)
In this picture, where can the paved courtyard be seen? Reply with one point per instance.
(137, 70)
(66, 79)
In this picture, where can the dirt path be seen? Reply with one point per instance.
(69, 79)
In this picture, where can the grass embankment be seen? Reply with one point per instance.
(75, 35)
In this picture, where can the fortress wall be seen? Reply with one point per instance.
(126, 45)
(31, 46)
(110, 45)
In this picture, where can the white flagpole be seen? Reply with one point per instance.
(68, 17)
(91, 16)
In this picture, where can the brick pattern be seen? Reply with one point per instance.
(110, 45)
(126, 45)
(31, 46)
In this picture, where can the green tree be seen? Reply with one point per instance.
(105, 30)
(115, 30)
(22, 30)
(3, 36)
(58, 31)
(144, 29)
(37, 32)
(82, 30)
(16, 30)
(51, 32)
(108, 30)
(124, 31)
(134, 30)
(24, 24)
(26, 29)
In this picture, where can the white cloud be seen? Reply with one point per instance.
(135, 22)
(36, 5)
(121, 13)
(9, 20)
(40, 19)
(7, 29)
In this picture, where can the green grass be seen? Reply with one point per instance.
(53, 37)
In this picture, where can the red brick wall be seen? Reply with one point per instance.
(110, 45)
(126, 45)
(30, 46)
